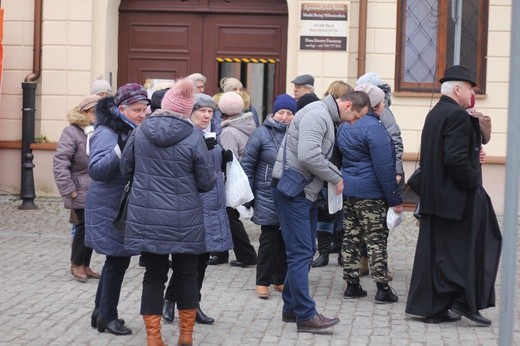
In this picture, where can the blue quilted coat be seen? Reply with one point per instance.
(170, 164)
(258, 161)
(107, 183)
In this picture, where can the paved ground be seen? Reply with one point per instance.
(40, 303)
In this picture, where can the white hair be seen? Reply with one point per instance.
(310, 87)
(196, 77)
(447, 87)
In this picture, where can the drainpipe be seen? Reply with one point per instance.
(27, 192)
(362, 38)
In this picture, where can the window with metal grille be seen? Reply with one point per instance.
(425, 42)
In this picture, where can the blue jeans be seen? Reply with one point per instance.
(298, 221)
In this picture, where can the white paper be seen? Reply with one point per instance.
(335, 201)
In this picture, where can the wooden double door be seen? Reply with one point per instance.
(172, 39)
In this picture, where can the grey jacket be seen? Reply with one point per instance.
(236, 132)
(310, 139)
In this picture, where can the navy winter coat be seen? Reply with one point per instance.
(257, 162)
(107, 183)
(368, 165)
(216, 221)
(170, 164)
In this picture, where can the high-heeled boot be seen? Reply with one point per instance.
(153, 330)
(186, 323)
(324, 241)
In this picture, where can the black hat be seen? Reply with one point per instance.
(457, 73)
(157, 97)
(304, 79)
(305, 100)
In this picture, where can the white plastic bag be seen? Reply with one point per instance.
(245, 213)
(393, 219)
(237, 186)
(335, 202)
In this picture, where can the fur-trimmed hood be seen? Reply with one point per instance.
(75, 117)
(108, 115)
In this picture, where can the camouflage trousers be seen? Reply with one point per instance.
(365, 220)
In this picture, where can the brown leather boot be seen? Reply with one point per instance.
(363, 266)
(186, 322)
(91, 274)
(153, 330)
(78, 272)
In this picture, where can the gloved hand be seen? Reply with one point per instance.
(227, 156)
(210, 142)
(121, 142)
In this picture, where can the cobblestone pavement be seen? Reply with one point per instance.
(40, 303)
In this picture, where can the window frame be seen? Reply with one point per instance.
(442, 28)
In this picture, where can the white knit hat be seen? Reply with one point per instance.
(100, 85)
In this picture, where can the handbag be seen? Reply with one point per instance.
(292, 182)
(415, 181)
(237, 188)
(119, 221)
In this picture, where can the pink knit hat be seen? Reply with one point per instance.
(179, 99)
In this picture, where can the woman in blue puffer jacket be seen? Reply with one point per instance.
(171, 165)
(258, 161)
(216, 222)
(115, 119)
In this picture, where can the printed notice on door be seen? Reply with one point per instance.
(323, 26)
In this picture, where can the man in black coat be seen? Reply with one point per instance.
(459, 243)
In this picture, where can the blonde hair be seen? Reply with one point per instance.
(337, 89)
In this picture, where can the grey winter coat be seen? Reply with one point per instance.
(170, 164)
(70, 163)
(258, 161)
(310, 139)
(236, 132)
(107, 182)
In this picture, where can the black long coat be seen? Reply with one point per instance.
(458, 247)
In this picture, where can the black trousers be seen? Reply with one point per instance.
(80, 254)
(201, 272)
(244, 251)
(272, 259)
(156, 274)
(109, 286)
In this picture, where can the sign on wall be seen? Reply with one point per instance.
(323, 25)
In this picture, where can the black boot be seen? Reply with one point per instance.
(201, 318)
(168, 311)
(324, 240)
(385, 294)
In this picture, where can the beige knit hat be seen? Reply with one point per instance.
(88, 102)
(230, 83)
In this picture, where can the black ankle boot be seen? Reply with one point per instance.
(354, 290)
(385, 294)
(324, 240)
(94, 316)
(168, 311)
(201, 318)
(114, 326)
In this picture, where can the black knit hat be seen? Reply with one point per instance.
(157, 97)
